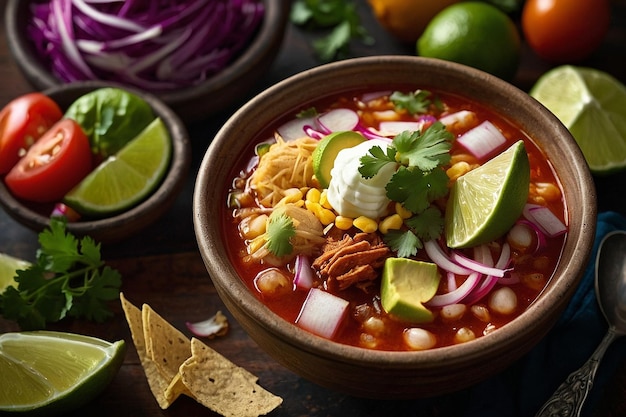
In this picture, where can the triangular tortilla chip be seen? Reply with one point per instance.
(159, 385)
(223, 386)
(168, 346)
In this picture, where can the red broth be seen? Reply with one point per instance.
(367, 325)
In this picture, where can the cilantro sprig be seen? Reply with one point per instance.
(280, 230)
(68, 279)
(338, 16)
(417, 183)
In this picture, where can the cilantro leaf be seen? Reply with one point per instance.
(416, 102)
(280, 229)
(376, 160)
(335, 43)
(428, 224)
(415, 189)
(425, 150)
(68, 278)
(404, 242)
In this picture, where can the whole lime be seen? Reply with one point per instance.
(475, 34)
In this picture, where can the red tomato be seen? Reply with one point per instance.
(562, 31)
(58, 161)
(22, 122)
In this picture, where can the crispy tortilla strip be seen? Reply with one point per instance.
(223, 386)
(165, 391)
(168, 346)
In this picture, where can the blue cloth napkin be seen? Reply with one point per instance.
(521, 390)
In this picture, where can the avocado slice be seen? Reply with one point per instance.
(406, 285)
(327, 149)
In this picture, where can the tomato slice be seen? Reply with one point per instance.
(58, 161)
(23, 121)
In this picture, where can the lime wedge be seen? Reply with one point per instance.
(8, 267)
(52, 372)
(127, 178)
(485, 203)
(592, 105)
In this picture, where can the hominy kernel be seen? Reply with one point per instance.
(365, 224)
(481, 312)
(453, 312)
(313, 195)
(393, 222)
(503, 301)
(367, 340)
(272, 283)
(374, 325)
(402, 212)
(253, 226)
(463, 335)
(419, 339)
(343, 222)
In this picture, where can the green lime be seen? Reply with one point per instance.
(592, 105)
(50, 373)
(326, 151)
(406, 284)
(485, 203)
(9, 265)
(475, 34)
(128, 177)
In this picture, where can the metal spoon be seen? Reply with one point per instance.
(610, 285)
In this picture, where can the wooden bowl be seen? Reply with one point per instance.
(129, 222)
(191, 104)
(384, 374)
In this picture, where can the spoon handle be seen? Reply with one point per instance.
(568, 399)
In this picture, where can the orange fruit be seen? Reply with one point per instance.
(407, 19)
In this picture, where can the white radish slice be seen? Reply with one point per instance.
(322, 313)
(294, 129)
(482, 139)
(338, 120)
(395, 128)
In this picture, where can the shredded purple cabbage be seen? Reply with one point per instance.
(150, 44)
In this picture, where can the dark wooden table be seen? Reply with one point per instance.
(162, 266)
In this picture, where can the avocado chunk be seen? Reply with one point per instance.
(406, 285)
(327, 149)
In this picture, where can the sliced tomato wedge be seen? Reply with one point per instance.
(58, 161)
(23, 121)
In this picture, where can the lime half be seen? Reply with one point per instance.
(592, 105)
(9, 265)
(127, 178)
(485, 203)
(52, 372)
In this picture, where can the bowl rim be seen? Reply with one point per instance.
(276, 16)
(219, 267)
(160, 198)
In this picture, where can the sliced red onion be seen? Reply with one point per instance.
(322, 313)
(338, 120)
(367, 97)
(541, 236)
(303, 277)
(490, 281)
(211, 327)
(463, 117)
(458, 295)
(393, 128)
(438, 256)
(546, 220)
(476, 266)
(451, 281)
(482, 140)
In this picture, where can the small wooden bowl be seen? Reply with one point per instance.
(384, 374)
(191, 104)
(127, 223)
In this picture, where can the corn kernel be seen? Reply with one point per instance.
(402, 212)
(393, 222)
(325, 216)
(457, 170)
(365, 224)
(343, 222)
(292, 195)
(313, 195)
(324, 200)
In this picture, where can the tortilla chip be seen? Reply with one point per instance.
(159, 385)
(223, 386)
(167, 346)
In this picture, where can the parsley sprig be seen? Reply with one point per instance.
(416, 184)
(340, 16)
(69, 278)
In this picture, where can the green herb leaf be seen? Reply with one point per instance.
(416, 102)
(428, 224)
(376, 160)
(404, 242)
(425, 150)
(280, 230)
(68, 278)
(415, 189)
